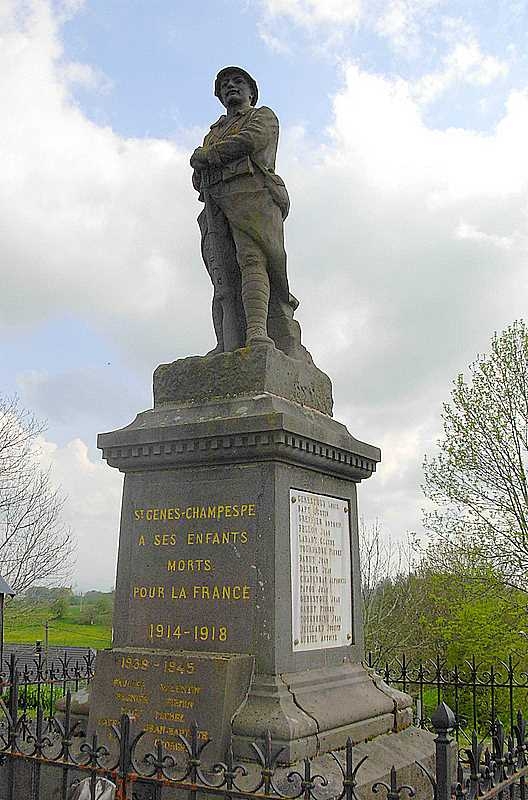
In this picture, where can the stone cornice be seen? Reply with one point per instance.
(272, 445)
(248, 430)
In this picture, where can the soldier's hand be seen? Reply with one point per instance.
(199, 159)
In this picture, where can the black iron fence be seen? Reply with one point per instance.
(40, 749)
(478, 693)
(44, 677)
(40, 759)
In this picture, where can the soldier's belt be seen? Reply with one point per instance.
(235, 169)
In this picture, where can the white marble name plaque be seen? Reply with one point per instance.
(320, 571)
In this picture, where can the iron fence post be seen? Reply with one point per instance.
(438, 677)
(66, 746)
(443, 721)
(39, 747)
(12, 724)
(511, 683)
(124, 758)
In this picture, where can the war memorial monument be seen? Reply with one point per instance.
(238, 598)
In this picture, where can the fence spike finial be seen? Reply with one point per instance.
(443, 718)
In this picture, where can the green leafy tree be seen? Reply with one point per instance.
(474, 621)
(477, 480)
(97, 608)
(61, 603)
(469, 611)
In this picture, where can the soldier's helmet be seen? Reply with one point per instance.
(252, 82)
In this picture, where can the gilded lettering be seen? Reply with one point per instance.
(179, 702)
(224, 510)
(132, 698)
(180, 688)
(169, 716)
(222, 592)
(105, 722)
(164, 539)
(215, 537)
(148, 592)
(128, 683)
(168, 745)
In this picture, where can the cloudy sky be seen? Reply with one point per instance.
(404, 147)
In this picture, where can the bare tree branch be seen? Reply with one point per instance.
(392, 598)
(35, 544)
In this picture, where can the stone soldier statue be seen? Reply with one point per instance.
(241, 225)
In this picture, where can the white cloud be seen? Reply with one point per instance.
(469, 232)
(69, 6)
(93, 497)
(90, 220)
(86, 76)
(410, 27)
(401, 21)
(313, 12)
(274, 42)
(465, 63)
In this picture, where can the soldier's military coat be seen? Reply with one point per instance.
(241, 181)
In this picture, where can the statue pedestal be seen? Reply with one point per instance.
(238, 562)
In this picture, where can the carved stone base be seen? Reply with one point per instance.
(249, 371)
(315, 711)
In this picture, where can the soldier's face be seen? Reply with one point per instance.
(235, 90)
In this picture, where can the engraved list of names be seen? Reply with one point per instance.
(320, 571)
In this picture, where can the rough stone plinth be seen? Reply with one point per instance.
(248, 371)
(164, 692)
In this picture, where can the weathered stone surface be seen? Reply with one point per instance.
(403, 710)
(242, 457)
(218, 585)
(205, 557)
(187, 582)
(401, 750)
(79, 709)
(248, 371)
(241, 430)
(164, 691)
(314, 711)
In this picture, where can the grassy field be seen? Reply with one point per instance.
(65, 631)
